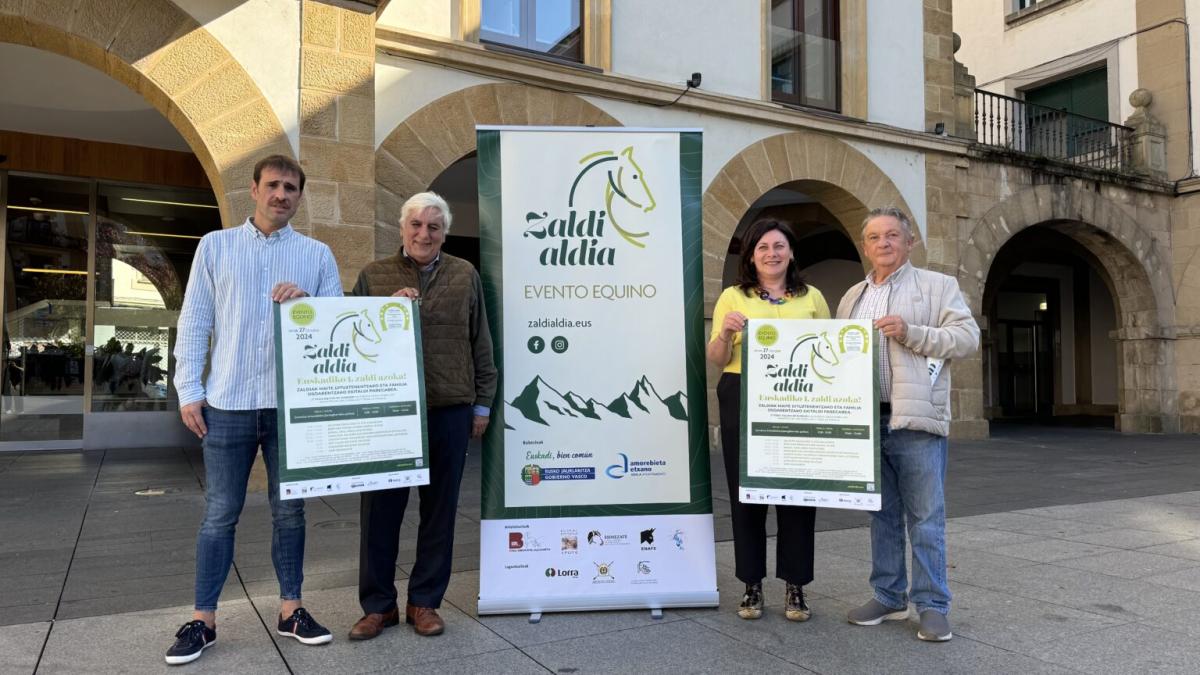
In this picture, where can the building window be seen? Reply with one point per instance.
(1023, 4)
(552, 27)
(805, 54)
(1069, 115)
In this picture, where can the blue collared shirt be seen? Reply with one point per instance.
(228, 305)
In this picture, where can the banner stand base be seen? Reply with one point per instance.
(656, 614)
(656, 603)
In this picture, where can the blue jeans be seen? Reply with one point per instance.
(230, 447)
(913, 468)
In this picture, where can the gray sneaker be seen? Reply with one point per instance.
(874, 613)
(935, 627)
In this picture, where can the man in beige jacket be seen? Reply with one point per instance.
(921, 321)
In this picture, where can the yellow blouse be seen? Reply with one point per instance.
(811, 305)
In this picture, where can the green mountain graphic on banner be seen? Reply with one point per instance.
(541, 403)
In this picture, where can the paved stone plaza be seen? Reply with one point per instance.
(1069, 551)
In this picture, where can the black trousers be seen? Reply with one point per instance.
(794, 541)
(382, 513)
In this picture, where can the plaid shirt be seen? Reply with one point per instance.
(873, 304)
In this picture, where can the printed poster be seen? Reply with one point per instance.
(810, 414)
(351, 396)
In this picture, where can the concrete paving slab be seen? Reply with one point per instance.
(986, 539)
(965, 565)
(16, 615)
(312, 582)
(1130, 564)
(666, 648)
(82, 588)
(1129, 648)
(1034, 525)
(1049, 550)
(1187, 579)
(38, 595)
(828, 644)
(1123, 537)
(1014, 623)
(508, 661)
(134, 602)
(20, 646)
(136, 642)
(36, 561)
(396, 648)
(1188, 548)
(1125, 599)
(836, 575)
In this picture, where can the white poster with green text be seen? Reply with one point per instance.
(810, 414)
(351, 396)
(596, 487)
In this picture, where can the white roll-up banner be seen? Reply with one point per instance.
(596, 487)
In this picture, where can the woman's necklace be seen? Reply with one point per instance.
(764, 295)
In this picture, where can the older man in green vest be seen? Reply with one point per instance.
(460, 382)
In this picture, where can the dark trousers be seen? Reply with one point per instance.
(794, 540)
(449, 429)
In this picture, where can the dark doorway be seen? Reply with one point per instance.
(1049, 356)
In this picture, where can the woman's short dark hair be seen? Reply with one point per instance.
(748, 274)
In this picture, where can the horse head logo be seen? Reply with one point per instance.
(821, 355)
(624, 178)
(363, 333)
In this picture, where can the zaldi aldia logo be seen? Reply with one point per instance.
(610, 190)
(355, 336)
(815, 358)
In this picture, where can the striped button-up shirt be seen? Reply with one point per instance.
(228, 303)
(873, 304)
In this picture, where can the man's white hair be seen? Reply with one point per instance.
(423, 200)
(892, 212)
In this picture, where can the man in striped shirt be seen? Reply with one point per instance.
(227, 319)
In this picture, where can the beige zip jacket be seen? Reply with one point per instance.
(939, 326)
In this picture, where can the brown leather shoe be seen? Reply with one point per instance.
(425, 620)
(371, 625)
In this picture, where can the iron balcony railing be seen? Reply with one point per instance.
(1031, 129)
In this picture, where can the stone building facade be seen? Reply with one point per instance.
(387, 95)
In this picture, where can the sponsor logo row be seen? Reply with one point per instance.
(807, 498)
(606, 572)
(520, 540)
(535, 474)
(312, 488)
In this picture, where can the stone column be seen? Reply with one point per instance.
(1147, 152)
(938, 46)
(337, 128)
(964, 98)
(1147, 388)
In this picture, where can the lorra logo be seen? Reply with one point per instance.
(610, 190)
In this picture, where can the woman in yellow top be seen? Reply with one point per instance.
(769, 286)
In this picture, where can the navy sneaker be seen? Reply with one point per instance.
(191, 639)
(302, 626)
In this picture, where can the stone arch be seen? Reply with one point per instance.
(443, 132)
(842, 179)
(161, 52)
(1136, 269)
